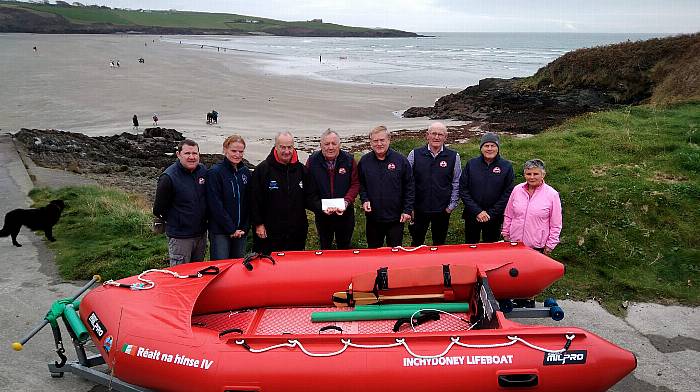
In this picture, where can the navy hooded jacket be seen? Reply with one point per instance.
(228, 198)
(485, 187)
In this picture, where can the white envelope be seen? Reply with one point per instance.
(338, 203)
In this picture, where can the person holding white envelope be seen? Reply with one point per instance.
(335, 174)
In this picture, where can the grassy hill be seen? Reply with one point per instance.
(629, 181)
(658, 70)
(47, 18)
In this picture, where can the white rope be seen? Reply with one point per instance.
(402, 342)
(410, 249)
(399, 342)
(439, 311)
(568, 337)
(147, 284)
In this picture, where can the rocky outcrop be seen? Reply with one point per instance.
(506, 106)
(659, 70)
(129, 161)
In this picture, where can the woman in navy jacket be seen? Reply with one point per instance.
(228, 198)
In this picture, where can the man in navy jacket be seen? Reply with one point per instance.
(335, 175)
(181, 202)
(386, 191)
(436, 171)
(484, 187)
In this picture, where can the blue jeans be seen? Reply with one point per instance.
(224, 247)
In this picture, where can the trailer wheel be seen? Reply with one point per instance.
(57, 375)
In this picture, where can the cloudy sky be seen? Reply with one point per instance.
(614, 16)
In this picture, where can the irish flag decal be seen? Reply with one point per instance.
(129, 349)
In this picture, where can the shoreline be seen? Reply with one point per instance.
(68, 84)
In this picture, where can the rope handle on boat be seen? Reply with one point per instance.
(398, 248)
(293, 343)
(330, 327)
(147, 284)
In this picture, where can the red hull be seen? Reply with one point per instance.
(168, 338)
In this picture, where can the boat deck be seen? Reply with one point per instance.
(281, 321)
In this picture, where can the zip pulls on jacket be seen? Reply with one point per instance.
(236, 189)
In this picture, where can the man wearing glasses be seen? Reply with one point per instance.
(436, 172)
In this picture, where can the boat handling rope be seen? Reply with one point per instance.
(397, 248)
(293, 343)
(147, 284)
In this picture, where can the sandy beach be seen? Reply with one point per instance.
(68, 84)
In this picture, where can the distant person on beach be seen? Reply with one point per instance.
(215, 116)
(281, 190)
(533, 213)
(436, 172)
(118, 64)
(181, 201)
(35, 49)
(484, 187)
(335, 176)
(386, 191)
(228, 199)
(135, 120)
(155, 119)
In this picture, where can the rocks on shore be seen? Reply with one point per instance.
(506, 106)
(129, 161)
(658, 71)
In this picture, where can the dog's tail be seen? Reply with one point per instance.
(4, 232)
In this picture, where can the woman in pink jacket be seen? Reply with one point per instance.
(533, 213)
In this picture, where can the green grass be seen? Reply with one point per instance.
(180, 19)
(629, 181)
(103, 231)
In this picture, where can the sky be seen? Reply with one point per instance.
(582, 16)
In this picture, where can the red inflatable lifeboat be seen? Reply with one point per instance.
(299, 322)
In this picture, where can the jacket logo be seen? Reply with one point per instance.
(201, 180)
(273, 185)
(342, 170)
(244, 179)
(496, 170)
(443, 163)
(391, 166)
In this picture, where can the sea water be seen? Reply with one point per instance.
(452, 60)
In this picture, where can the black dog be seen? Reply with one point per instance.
(43, 218)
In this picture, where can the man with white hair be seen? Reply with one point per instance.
(334, 172)
(436, 171)
(281, 190)
(386, 190)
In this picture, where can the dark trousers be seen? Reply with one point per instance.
(438, 221)
(377, 232)
(277, 242)
(335, 226)
(475, 232)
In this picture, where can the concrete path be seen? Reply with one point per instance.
(666, 339)
(29, 284)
